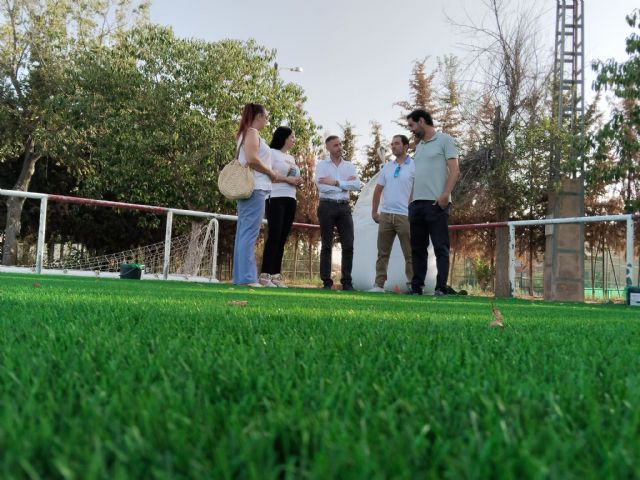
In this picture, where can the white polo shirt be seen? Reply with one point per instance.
(397, 186)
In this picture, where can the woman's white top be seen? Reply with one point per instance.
(261, 180)
(284, 165)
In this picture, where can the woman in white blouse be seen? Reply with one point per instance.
(254, 152)
(280, 206)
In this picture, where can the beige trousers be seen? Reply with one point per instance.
(390, 225)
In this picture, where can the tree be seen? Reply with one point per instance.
(348, 141)
(507, 58)
(421, 93)
(373, 162)
(156, 116)
(38, 39)
(450, 119)
(532, 149)
(156, 103)
(621, 132)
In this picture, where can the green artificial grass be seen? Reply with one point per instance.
(116, 379)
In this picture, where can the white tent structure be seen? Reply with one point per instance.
(365, 250)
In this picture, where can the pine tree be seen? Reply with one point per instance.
(374, 163)
(450, 119)
(421, 94)
(348, 141)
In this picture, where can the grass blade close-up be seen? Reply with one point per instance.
(105, 378)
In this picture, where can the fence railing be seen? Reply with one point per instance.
(169, 212)
(215, 217)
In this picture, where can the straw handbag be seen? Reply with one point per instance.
(235, 181)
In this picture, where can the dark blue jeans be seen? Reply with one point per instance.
(427, 220)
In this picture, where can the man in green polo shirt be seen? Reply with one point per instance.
(437, 170)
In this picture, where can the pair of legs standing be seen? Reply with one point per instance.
(428, 220)
(280, 214)
(390, 225)
(250, 215)
(336, 215)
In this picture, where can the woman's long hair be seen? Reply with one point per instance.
(249, 113)
(280, 136)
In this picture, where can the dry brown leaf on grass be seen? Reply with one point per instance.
(238, 303)
(498, 319)
(36, 285)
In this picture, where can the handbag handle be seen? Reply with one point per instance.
(240, 146)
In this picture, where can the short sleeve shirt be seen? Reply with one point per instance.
(431, 166)
(397, 180)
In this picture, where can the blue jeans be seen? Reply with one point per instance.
(250, 215)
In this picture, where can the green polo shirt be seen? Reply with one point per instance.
(431, 166)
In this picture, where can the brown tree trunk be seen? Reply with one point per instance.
(502, 209)
(502, 256)
(50, 250)
(15, 205)
(493, 269)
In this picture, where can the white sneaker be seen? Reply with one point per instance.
(265, 280)
(254, 285)
(376, 289)
(278, 281)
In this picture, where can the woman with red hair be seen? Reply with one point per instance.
(255, 152)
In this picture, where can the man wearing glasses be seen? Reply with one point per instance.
(396, 180)
(437, 171)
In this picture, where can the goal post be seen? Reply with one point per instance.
(627, 218)
(174, 258)
(169, 212)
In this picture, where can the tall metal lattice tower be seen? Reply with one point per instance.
(564, 253)
(569, 78)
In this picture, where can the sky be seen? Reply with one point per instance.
(357, 55)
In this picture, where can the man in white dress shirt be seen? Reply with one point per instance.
(335, 178)
(395, 184)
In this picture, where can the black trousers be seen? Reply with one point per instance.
(429, 220)
(280, 212)
(338, 215)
